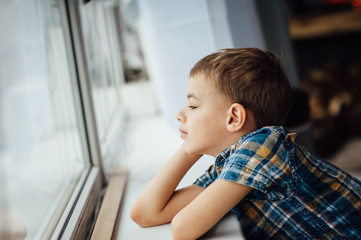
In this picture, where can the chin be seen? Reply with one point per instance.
(188, 149)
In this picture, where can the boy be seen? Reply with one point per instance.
(237, 101)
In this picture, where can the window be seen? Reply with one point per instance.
(42, 150)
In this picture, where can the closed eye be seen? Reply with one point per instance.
(192, 107)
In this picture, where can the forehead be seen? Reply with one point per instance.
(201, 88)
(200, 84)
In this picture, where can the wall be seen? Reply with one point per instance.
(176, 34)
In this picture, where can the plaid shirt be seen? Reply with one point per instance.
(296, 195)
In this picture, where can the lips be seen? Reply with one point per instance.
(183, 133)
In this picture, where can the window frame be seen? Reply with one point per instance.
(77, 216)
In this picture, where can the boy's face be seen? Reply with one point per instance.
(203, 120)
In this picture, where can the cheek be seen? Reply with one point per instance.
(208, 127)
(207, 121)
(200, 123)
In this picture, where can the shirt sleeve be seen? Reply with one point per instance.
(260, 162)
(207, 178)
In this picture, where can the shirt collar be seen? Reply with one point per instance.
(280, 130)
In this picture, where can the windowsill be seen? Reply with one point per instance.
(150, 143)
(227, 228)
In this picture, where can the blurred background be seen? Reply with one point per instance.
(86, 86)
(326, 37)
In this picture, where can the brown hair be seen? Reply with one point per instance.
(252, 78)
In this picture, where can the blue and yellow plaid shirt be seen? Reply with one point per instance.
(296, 195)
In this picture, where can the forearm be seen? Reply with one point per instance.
(153, 201)
(207, 209)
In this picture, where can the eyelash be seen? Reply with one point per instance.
(192, 107)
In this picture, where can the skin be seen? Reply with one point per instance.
(209, 123)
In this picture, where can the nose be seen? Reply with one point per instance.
(180, 116)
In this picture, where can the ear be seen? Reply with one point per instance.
(236, 117)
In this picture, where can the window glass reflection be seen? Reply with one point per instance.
(103, 62)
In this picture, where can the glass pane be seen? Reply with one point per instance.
(104, 65)
(41, 154)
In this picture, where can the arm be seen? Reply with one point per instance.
(207, 209)
(159, 202)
